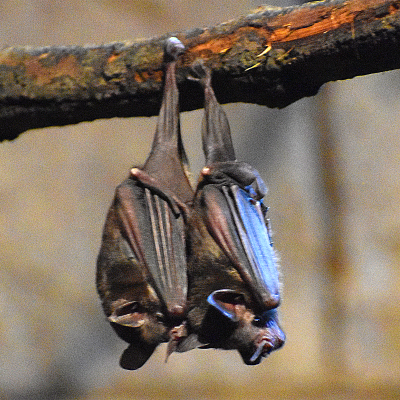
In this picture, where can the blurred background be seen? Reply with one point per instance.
(332, 165)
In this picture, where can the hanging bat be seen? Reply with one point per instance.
(233, 278)
(141, 268)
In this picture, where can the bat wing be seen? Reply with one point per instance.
(155, 233)
(255, 238)
(236, 222)
(151, 202)
(232, 193)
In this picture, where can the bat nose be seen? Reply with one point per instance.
(276, 339)
(272, 342)
(273, 338)
(279, 339)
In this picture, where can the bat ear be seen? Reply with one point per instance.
(229, 303)
(136, 355)
(128, 314)
(226, 308)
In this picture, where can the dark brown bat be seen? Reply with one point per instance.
(233, 279)
(141, 268)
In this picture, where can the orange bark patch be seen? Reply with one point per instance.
(67, 66)
(218, 45)
(299, 24)
(112, 58)
(144, 76)
(304, 22)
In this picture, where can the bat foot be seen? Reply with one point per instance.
(174, 47)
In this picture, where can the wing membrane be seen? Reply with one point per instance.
(236, 222)
(155, 235)
(255, 239)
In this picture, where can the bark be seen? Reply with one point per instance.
(273, 56)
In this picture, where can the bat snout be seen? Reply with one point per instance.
(273, 341)
(274, 336)
(268, 339)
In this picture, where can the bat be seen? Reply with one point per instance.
(141, 268)
(233, 291)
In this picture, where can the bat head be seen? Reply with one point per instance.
(144, 328)
(230, 323)
(258, 338)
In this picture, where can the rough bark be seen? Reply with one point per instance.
(273, 56)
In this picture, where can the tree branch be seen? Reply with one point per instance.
(273, 57)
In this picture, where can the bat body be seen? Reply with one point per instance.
(141, 268)
(233, 279)
(191, 269)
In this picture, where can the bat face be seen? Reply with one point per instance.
(141, 268)
(253, 336)
(233, 279)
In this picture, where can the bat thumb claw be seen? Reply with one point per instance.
(177, 334)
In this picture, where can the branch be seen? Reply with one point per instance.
(272, 57)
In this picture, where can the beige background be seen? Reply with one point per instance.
(332, 167)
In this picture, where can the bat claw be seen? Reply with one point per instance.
(176, 334)
(206, 171)
(174, 47)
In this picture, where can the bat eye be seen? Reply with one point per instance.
(160, 317)
(227, 296)
(265, 319)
